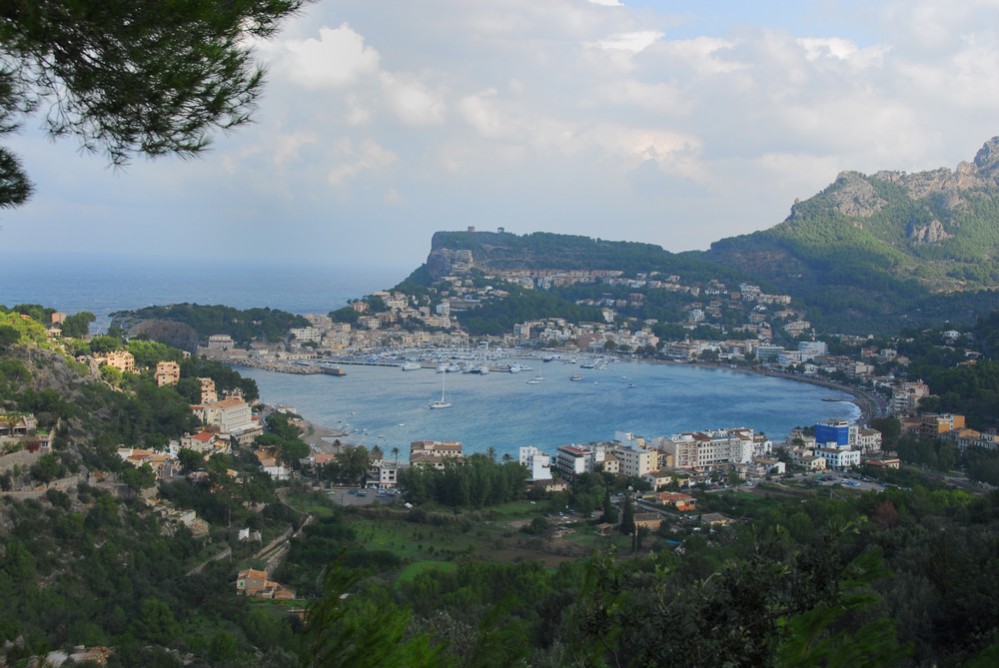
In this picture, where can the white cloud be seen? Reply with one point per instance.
(338, 58)
(706, 113)
(288, 145)
(632, 42)
(368, 156)
(413, 101)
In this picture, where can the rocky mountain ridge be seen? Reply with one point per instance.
(892, 244)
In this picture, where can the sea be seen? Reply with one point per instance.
(387, 407)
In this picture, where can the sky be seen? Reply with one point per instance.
(674, 123)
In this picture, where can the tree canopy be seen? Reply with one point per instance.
(127, 78)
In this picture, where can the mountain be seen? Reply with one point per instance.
(867, 254)
(889, 246)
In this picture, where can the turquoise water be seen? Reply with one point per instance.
(389, 408)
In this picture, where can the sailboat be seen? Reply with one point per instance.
(443, 401)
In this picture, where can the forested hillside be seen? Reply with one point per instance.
(872, 251)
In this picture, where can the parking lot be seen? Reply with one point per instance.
(356, 496)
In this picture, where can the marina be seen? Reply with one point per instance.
(505, 411)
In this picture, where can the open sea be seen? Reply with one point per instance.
(388, 407)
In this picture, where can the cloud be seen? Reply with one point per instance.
(563, 113)
(288, 145)
(368, 156)
(338, 58)
(413, 101)
(632, 42)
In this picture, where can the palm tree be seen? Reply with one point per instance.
(395, 453)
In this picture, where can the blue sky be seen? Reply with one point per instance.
(674, 123)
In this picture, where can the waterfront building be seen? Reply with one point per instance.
(571, 460)
(220, 342)
(835, 432)
(537, 462)
(705, 449)
(634, 461)
(434, 453)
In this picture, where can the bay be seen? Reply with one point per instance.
(389, 408)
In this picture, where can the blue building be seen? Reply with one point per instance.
(833, 431)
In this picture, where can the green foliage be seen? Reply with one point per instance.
(28, 330)
(244, 326)
(149, 353)
(500, 315)
(477, 482)
(78, 325)
(156, 78)
(345, 628)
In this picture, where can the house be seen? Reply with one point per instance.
(650, 521)
(678, 500)
(251, 582)
(270, 466)
(122, 360)
(658, 479)
(715, 519)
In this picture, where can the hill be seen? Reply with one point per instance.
(871, 252)
(867, 254)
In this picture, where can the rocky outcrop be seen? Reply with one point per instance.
(927, 233)
(855, 197)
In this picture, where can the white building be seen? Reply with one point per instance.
(537, 462)
(839, 458)
(635, 461)
(703, 449)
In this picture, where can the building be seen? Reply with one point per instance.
(122, 360)
(221, 342)
(835, 432)
(678, 500)
(251, 582)
(634, 461)
(434, 453)
(934, 426)
(167, 373)
(537, 462)
(868, 440)
(839, 458)
(231, 415)
(705, 449)
(571, 460)
(208, 393)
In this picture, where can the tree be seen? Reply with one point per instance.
(628, 517)
(136, 478)
(8, 336)
(77, 326)
(126, 78)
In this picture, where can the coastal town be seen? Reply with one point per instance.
(667, 487)
(411, 331)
